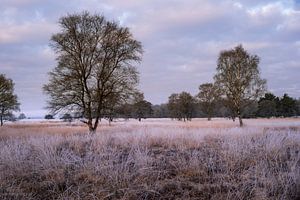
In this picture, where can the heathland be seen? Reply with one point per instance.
(152, 159)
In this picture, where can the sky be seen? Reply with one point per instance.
(181, 40)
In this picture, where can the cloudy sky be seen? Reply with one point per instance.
(181, 39)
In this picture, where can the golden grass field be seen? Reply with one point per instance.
(154, 159)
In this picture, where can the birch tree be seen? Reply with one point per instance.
(238, 77)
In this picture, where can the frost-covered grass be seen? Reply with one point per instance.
(155, 159)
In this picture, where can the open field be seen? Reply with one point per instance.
(155, 159)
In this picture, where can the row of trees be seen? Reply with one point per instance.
(237, 83)
(237, 92)
(284, 106)
(137, 108)
(95, 75)
(185, 106)
(272, 106)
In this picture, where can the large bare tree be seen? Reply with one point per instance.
(238, 76)
(8, 100)
(96, 66)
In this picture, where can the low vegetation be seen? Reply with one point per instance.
(155, 159)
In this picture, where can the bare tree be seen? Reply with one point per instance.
(238, 77)
(96, 61)
(8, 100)
(208, 95)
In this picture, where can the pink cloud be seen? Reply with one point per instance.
(27, 31)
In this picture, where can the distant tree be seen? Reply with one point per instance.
(125, 110)
(22, 116)
(266, 108)
(269, 96)
(160, 111)
(96, 61)
(250, 110)
(208, 96)
(186, 105)
(77, 115)
(67, 117)
(181, 106)
(220, 109)
(10, 117)
(267, 105)
(238, 78)
(287, 106)
(111, 107)
(173, 106)
(8, 100)
(298, 107)
(141, 107)
(48, 116)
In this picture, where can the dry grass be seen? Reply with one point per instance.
(156, 159)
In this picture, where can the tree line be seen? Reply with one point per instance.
(96, 78)
(284, 106)
(185, 106)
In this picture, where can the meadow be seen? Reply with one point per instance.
(152, 159)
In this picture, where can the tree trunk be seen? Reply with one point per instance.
(1, 119)
(140, 119)
(109, 121)
(239, 115)
(241, 121)
(92, 128)
(209, 113)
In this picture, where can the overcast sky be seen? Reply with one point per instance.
(181, 40)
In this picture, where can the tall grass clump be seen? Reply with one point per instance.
(140, 162)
